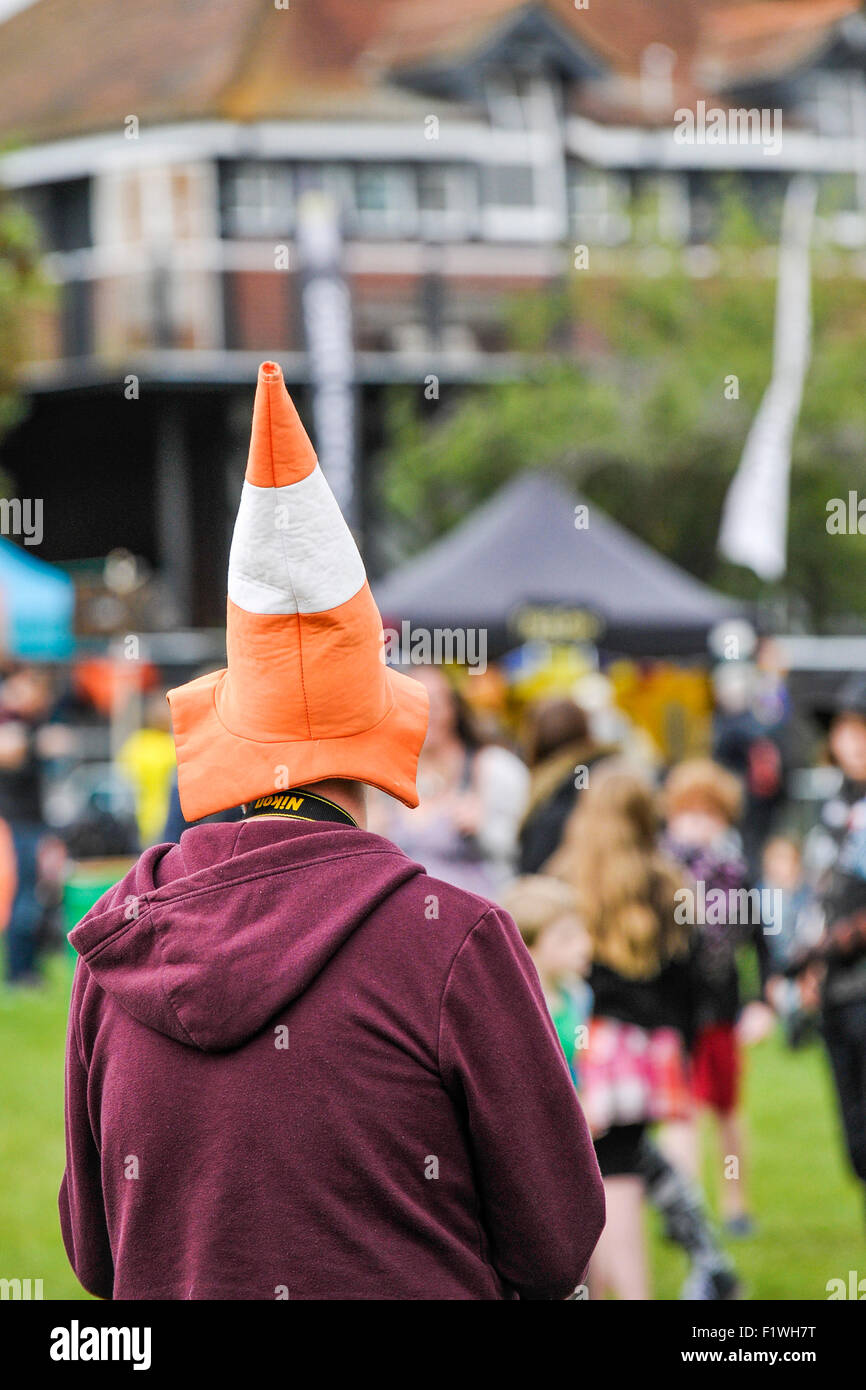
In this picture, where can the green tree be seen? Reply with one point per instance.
(21, 290)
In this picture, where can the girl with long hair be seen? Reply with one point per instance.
(634, 1072)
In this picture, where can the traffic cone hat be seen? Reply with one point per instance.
(306, 694)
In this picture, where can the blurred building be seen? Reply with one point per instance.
(469, 146)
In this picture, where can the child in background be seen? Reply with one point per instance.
(547, 917)
(702, 805)
(635, 1070)
(796, 925)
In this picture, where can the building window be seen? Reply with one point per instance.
(599, 206)
(510, 185)
(447, 201)
(385, 200)
(62, 213)
(831, 103)
(259, 200)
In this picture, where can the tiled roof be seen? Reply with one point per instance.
(68, 67)
(619, 31)
(762, 37)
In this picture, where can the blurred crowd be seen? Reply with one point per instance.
(676, 914)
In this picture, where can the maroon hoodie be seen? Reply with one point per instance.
(298, 1067)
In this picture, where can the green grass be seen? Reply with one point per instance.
(809, 1210)
(32, 1038)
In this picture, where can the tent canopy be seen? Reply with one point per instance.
(36, 606)
(520, 567)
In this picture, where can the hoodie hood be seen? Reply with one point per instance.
(207, 940)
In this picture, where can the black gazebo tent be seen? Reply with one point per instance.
(520, 567)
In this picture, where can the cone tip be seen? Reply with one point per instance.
(280, 449)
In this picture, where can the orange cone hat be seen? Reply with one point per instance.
(306, 694)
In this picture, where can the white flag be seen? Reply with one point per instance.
(754, 525)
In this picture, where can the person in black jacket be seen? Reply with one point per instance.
(26, 701)
(559, 753)
(836, 965)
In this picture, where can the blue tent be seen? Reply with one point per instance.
(37, 602)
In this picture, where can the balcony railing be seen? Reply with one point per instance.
(404, 300)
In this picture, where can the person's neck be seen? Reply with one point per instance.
(349, 800)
